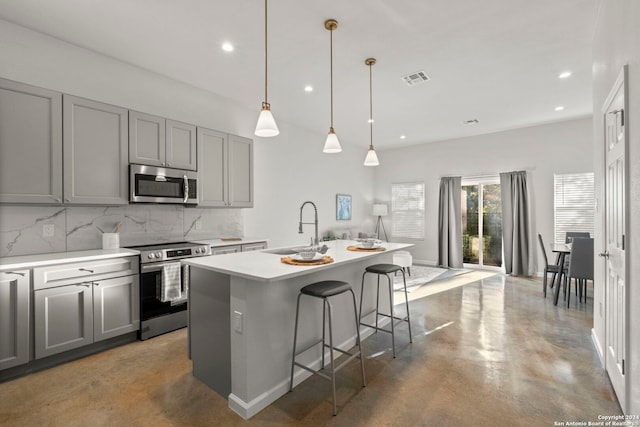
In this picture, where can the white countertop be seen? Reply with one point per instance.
(266, 267)
(31, 261)
(217, 242)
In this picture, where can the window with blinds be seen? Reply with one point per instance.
(407, 208)
(574, 204)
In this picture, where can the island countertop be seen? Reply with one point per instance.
(266, 267)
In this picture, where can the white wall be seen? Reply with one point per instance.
(563, 147)
(289, 169)
(616, 43)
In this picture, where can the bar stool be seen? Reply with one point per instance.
(324, 290)
(386, 269)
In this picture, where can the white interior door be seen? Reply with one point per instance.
(615, 270)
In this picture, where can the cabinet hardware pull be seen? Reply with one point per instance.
(86, 269)
(86, 284)
(13, 272)
(604, 254)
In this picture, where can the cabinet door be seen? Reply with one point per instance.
(240, 172)
(212, 168)
(181, 145)
(30, 144)
(116, 307)
(63, 319)
(96, 153)
(14, 318)
(146, 139)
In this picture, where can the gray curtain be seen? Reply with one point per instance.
(450, 223)
(516, 224)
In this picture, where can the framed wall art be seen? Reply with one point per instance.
(343, 206)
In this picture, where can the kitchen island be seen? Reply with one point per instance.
(242, 312)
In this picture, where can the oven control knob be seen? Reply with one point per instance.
(151, 256)
(158, 255)
(197, 250)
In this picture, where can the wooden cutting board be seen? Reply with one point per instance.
(324, 260)
(357, 249)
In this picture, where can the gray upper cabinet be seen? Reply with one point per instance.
(161, 142)
(95, 151)
(212, 168)
(14, 318)
(30, 144)
(225, 176)
(240, 172)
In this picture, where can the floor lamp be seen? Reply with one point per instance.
(380, 210)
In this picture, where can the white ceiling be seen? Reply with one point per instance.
(496, 61)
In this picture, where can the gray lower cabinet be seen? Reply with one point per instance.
(80, 303)
(221, 250)
(225, 170)
(258, 246)
(63, 318)
(95, 152)
(14, 318)
(30, 144)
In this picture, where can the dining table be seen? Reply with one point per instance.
(562, 249)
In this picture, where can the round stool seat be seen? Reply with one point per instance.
(383, 268)
(325, 288)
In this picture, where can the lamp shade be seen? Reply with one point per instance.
(266, 126)
(380, 210)
(332, 145)
(371, 159)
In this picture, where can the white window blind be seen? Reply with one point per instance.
(407, 208)
(574, 205)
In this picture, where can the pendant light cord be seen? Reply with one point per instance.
(331, 73)
(370, 107)
(265, 53)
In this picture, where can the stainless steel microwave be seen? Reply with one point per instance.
(150, 184)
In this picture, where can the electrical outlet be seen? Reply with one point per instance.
(198, 224)
(237, 321)
(48, 230)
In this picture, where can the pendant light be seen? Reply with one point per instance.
(331, 145)
(372, 158)
(266, 126)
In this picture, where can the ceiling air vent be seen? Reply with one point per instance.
(415, 78)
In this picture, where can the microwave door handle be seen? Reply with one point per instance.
(186, 188)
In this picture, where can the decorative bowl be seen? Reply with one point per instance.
(368, 243)
(307, 254)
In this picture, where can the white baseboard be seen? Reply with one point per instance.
(596, 343)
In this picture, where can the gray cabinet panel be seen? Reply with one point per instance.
(212, 168)
(14, 318)
(30, 144)
(181, 145)
(240, 172)
(63, 319)
(254, 246)
(116, 307)
(95, 149)
(146, 139)
(221, 250)
(76, 272)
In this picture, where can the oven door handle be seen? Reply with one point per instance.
(150, 268)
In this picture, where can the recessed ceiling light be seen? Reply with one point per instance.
(471, 122)
(564, 75)
(308, 88)
(227, 47)
(403, 136)
(370, 121)
(559, 108)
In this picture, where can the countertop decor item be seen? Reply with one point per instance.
(324, 260)
(266, 126)
(331, 145)
(373, 249)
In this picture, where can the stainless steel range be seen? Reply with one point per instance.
(164, 285)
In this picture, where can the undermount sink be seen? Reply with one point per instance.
(285, 251)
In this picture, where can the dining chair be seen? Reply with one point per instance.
(548, 268)
(581, 265)
(568, 238)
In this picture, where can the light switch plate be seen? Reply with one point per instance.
(237, 321)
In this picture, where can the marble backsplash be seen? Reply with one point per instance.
(22, 228)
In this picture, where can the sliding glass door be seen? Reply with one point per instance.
(482, 222)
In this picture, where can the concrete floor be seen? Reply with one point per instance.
(492, 353)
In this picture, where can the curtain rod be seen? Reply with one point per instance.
(488, 175)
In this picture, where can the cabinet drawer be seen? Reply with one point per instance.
(65, 274)
(221, 250)
(254, 246)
